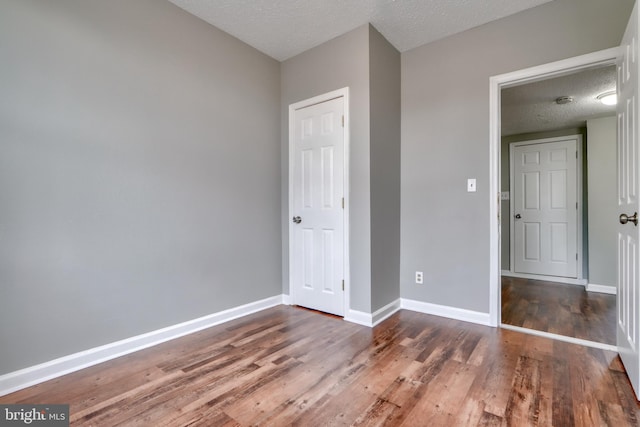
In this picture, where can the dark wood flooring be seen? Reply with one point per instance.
(287, 366)
(560, 309)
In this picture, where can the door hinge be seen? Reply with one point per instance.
(576, 257)
(343, 284)
(343, 203)
(576, 154)
(342, 121)
(576, 205)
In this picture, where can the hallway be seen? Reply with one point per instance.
(560, 309)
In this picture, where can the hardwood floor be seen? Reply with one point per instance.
(560, 309)
(288, 366)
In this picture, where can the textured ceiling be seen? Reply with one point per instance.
(532, 107)
(285, 28)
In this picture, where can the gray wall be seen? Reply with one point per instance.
(385, 170)
(130, 182)
(445, 137)
(369, 65)
(139, 174)
(341, 62)
(505, 185)
(603, 204)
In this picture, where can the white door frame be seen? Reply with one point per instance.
(340, 93)
(579, 280)
(496, 84)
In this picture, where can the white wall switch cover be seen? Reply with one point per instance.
(471, 185)
(504, 195)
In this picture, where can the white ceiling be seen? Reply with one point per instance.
(532, 107)
(285, 28)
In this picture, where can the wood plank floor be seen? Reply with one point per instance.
(288, 366)
(560, 309)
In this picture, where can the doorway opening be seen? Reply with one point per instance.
(537, 301)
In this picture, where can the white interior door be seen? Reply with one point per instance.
(545, 207)
(628, 310)
(317, 257)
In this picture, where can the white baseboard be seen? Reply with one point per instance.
(604, 289)
(372, 319)
(26, 377)
(555, 279)
(446, 311)
(385, 312)
(359, 317)
(378, 316)
(286, 299)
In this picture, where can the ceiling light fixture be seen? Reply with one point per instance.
(608, 98)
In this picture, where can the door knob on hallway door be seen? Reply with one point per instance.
(624, 218)
(297, 219)
(517, 216)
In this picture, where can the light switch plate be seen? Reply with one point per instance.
(504, 195)
(471, 185)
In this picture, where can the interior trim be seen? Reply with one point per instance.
(563, 338)
(446, 311)
(36, 374)
(496, 84)
(604, 289)
(555, 279)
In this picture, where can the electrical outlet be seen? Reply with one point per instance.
(419, 278)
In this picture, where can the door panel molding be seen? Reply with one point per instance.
(534, 203)
(340, 93)
(628, 301)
